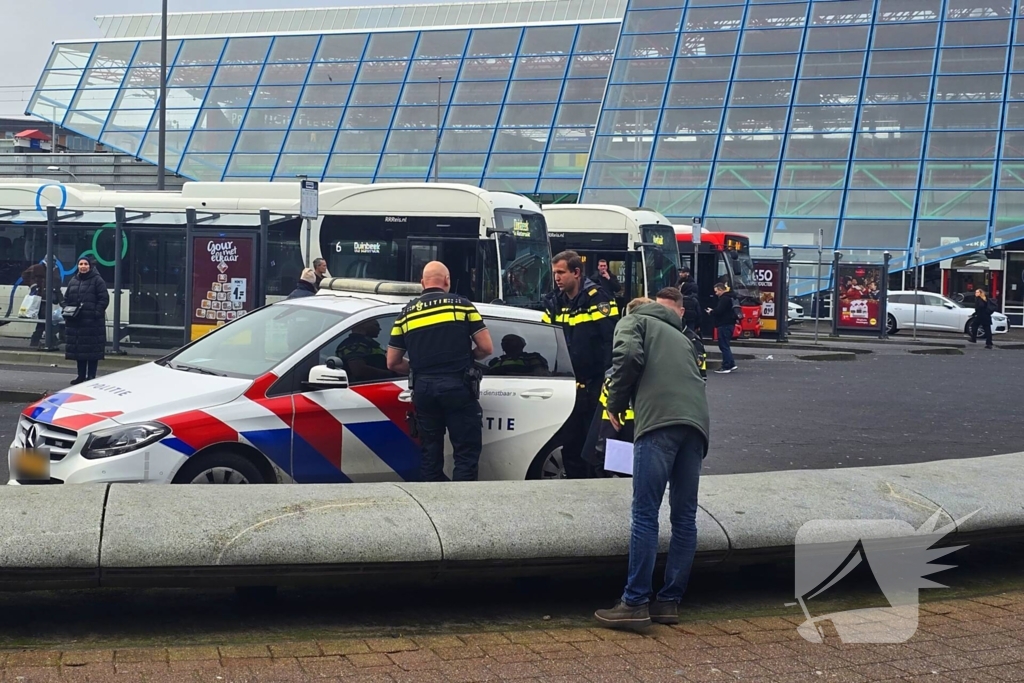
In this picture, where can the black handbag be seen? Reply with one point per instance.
(70, 311)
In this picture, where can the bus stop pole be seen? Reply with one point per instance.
(917, 277)
(782, 316)
(884, 314)
(264, 267)
(51, 228)
(837, 256)
(190, 226)
(817, 286)
(118, 245)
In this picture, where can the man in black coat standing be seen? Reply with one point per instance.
(85, 314)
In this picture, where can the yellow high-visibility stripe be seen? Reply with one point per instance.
(435, 319)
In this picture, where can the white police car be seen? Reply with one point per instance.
(295, 392)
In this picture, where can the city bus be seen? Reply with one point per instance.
(495, 244)
(723, 257)
(636, 243)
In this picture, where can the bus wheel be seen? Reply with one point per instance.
(890, 324)
(219, 467)
(547, 465)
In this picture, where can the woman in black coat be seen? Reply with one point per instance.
(87, 329)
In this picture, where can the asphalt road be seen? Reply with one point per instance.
(774, 415)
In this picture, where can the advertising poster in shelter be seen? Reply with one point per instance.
(222, 271)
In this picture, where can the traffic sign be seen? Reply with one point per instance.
(696, 230)
(309, 199)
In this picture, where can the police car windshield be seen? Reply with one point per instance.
(257, 342)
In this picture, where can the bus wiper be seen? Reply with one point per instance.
(196, 368)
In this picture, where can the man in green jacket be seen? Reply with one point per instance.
(655, 367)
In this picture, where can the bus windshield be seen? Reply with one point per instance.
(525, 274)
(661, 261)
(742, 266)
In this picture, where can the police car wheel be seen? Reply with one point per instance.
(219, 468)
(547, 465)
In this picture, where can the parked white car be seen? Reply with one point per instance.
(295, 392)
(796, 312)
(934, 312)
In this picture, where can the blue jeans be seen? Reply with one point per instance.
(670, 455)
(447, 403)
(724, 337)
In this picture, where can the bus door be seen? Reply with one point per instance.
(459, 254)
(623, 265)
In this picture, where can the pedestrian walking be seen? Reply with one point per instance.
(35, 277)
(443, 334)
(587, 316)
(723, 316)
(85, 314)
(306, 286)
(984, 307)
(320, 268)
(691, 306)
(655, 369)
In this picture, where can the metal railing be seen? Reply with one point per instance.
(112, 171)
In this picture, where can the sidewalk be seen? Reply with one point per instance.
(978, 639)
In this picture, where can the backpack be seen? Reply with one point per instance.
(737, 310)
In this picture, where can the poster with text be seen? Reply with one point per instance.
(768, 277)
(859, 292)
(221, 270)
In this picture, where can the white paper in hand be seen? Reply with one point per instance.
(618, 456)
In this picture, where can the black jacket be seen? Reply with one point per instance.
(691, 304)
(982, 309)
(588, 322)
(722, 314)
(302, 288)
(87, 331)
(611, 285)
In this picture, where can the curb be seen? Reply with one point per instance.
(844, 356)
(936, 352)
(12, 396)
(56, 359)
(802, 347)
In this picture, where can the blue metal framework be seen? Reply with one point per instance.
(518, 104)
(877, 122)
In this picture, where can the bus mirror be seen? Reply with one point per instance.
(507, 245)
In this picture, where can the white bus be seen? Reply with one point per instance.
(494, 243)
(638, 244)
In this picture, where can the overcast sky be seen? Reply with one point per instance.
(29, 32)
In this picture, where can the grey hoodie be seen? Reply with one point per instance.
(655, 366)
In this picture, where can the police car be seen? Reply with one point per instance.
(297, 391)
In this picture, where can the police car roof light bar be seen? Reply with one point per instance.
(368, 286)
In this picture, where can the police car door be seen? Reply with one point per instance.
(360, 433)
(526, 395)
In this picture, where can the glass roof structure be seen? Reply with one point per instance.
(876, 122)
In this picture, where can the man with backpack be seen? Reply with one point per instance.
(724, 317)
(983, 310)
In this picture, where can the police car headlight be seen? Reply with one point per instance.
(117, 440)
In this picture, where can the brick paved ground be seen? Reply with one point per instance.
(977, 640)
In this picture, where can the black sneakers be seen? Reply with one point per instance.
(624, 616)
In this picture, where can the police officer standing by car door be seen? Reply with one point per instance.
(587, 315)
(444, 335)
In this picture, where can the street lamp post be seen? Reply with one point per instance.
(58, 169)
(162, 136)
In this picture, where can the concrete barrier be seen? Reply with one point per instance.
(138, 535)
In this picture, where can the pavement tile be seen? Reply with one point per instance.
(563, 667)
(459, 653)
(1009, 655)
(573, 635)
(326, 667)
(997, 600)
(733, 627)
(681, 642)
(185, 654)
(507, 650)
(370, 676)
(196, 665)
(603, 648)
(367, 660)
(343, 647)
(80, 657)
(770, 650)
(555, 650)
(282, 669)
(724, 641)
(677, 675)
(140, 654)
(698, 628)
(1007, 672)
(611, 677)
(989, 641)
(772, 623)
(140, 669)
(243, 651)
(972, 676)
(87, 673)
(430, 642)
(880, 671)
(514, 670)
(481, 639)
(707, 674)
(786, 665)
(643, 645)
(617, 634)
(417, 660)
(650, 661)
(33, 658)
(467, 671)
(32, 674)
(419, 677)
(290, 650)
(528, 637)
(759, 637)
(391, 644)
(691, 657)
(918, 666)
(604, 664)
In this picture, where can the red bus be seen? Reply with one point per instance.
(723, 257)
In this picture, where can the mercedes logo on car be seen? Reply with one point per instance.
(33, 438)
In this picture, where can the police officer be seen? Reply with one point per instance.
(443, 334)
(516, 360)
(362, 355)
(587, 316)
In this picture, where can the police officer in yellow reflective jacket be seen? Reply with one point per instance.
(443, 335)
(516, 360)
(587, 316)
(362, 355)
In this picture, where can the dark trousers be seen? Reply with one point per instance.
(87, 368)
(37, 334)
(447, 403)
(986, 325)
(573, 434)
(724, 339)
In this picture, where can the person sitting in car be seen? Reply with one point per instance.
(515, 360)
(362, 356)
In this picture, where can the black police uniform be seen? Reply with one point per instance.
(436, 330)
(588, 322)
